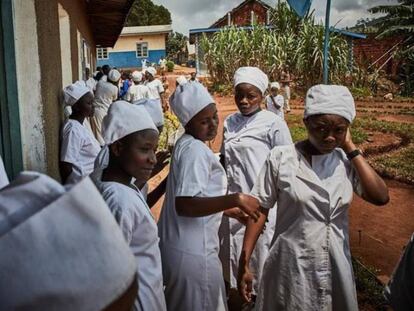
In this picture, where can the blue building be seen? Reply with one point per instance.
(134, 45)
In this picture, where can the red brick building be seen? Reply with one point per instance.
(247, 13)
(378, 53)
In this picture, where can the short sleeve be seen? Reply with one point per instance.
(72, 143)
(193, 172)
(266, 185)
(279, 134)
(160, 88)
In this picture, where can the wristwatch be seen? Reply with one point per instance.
(353, 154)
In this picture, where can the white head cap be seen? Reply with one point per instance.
(72, 93)
(124, 119)
(136, 76)
(275, 85)
(330, 99)
(114, 75)
(181, 80)
(153, 107)
(188, 100)
(253, 76)
(152, 71)
(60, 251)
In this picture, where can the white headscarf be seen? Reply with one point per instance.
(188, 100)
(181, 80)
(58, 245)
(253, 76)
(72, 93)
(275, 85)
(124, 119)
(152, 71)
(153, 106)
(330, 99)
(114, 75)
(136, 76)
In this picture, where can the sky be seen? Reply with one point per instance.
(188, 14)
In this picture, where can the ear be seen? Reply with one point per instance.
(116, 148)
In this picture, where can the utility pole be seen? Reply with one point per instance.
(326, 45)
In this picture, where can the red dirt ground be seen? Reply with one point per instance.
(377, 234)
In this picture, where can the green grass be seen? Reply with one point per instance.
(399, 164)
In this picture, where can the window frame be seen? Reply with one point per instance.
(141, 50)
(102, 51)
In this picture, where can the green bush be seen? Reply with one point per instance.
(170, 66)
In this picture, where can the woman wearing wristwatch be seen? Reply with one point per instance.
(312, 182)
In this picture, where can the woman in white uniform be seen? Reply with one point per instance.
(137, 91)
(192, 210)
(275, 101)
(79, 147)
(155, 87)
(132, 138)
(249, 135)
(106, 93)
(309, 263)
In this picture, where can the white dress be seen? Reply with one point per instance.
(105, 94)
(192, 271)
(309, 263)
(155, 88)
(137, 92)
(246, 145)
(278, 109)
(141, 233)
(4, 180)
(78, 148)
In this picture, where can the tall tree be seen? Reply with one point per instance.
(399, 20)
(146, 13)
(176, 43)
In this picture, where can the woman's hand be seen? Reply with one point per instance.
(238, 214)
(245, 283)
(348, 145)
(249, 204)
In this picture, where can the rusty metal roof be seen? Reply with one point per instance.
(107, 18)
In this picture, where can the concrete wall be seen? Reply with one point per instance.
(129, 59)
(29, 86)
(123, 55)
(44, 47)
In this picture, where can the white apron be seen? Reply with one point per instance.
(246, 145)
(192, 271)
(309, 263)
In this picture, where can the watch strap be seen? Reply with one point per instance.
(353, 154)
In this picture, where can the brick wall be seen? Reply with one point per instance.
(241, 17)
(367, 51)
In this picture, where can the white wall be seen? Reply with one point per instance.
(64, 29)
(29, 87)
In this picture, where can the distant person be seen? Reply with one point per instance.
(155, 86)
(62, 250)
(98, 74)
(79, 147)
(181, 80)
(125, 84)
(137, 91)
(143, 63)
(285, 80)
(106, 93)
(105, 70)
(275, 101)
(90, 82)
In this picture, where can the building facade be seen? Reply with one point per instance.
(134, 45)
(44, 46)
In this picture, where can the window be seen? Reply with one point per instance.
(102, 53)
(142, 49)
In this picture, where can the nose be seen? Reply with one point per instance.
(152, 158)
(243, 100)
(329, 138)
